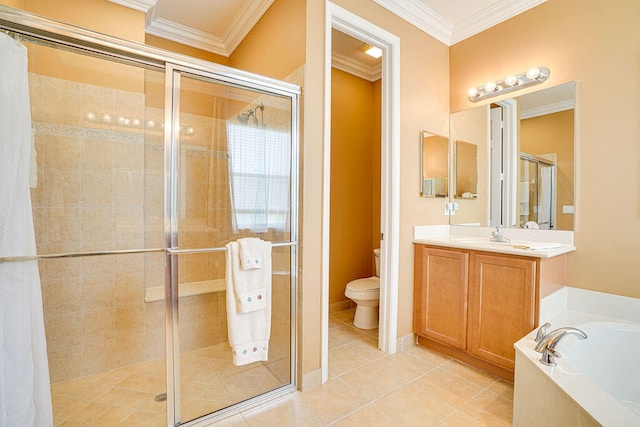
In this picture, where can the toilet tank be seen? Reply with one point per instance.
(376, 254)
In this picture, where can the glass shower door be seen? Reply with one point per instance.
(231, 178)
(142, 175)
(537, 198)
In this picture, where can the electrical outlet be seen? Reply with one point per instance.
(450, 208)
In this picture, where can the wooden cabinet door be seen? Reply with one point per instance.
(501, 307)
(440, 295)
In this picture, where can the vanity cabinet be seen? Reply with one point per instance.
(440, 295)
(475, 305)
(501, 306)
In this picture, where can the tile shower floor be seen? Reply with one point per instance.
(126, 396)
(414, 387)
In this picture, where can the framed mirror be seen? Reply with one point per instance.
(525, 160)
(465, 183)
(434, 165)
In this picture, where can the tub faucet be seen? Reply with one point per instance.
(497, 236)
(547, 342)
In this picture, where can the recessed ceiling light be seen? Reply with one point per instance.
(373, 51)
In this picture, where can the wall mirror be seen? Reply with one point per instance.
(525, 161)
(434, 165)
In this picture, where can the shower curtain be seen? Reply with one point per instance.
(25, 397)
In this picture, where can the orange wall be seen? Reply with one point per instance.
(352, 176)
(172, 46)
(553, 133)
(275, 47)
(376, 166)
(596, 46)
(96, 15)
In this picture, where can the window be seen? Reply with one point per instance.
(259, 175)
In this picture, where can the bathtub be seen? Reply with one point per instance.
(596, 381)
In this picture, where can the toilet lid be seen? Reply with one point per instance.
(367, 284)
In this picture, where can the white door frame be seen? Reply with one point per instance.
(510, 210)
(349, 23)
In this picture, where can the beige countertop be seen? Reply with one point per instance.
(537, 244)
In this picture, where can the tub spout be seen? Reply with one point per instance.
(547, 343)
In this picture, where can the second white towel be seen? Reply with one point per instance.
(250, 253)
(249, 306)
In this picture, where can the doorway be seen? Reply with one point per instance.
(355, 185)
(349, 23)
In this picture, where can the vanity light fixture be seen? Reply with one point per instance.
(372, 51)
(510, 83)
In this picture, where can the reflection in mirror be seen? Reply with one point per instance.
(434, 164)
(472, 127)
(525, 160)
(466, 164)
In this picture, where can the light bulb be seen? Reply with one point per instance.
(190, 131)
(511, 80)
(151, 124)
(136, 122)
(90, 116)
(490, 86)
(106, 118)
(374, 52)
(533, 73)
(473, 92)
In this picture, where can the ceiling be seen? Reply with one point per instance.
(219, 26)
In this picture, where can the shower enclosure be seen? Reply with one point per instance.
(148, 164)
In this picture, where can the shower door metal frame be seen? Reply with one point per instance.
(547, 163)
(37, 29)
(171, 225)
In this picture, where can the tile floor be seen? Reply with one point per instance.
(126, 396)
(414, 387)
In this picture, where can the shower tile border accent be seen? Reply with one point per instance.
(87, 133)
(120, 136)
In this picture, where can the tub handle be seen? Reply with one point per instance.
(548, 355)
(547, 345)
(542, 331)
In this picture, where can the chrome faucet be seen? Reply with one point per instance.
(547, 342)
(497, 236)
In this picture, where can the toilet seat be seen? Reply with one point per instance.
(367, 288)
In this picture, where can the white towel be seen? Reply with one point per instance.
(250, 253)
(536, 246)
(249, 305)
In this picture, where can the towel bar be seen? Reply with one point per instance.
(126, 252)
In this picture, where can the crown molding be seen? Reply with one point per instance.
(423, 17)
(487, 18)
(356, 68)
(186, 35)
(237, 30)
(244, 22)
(413, 11)
(548, 109)
(141, 5)
(426, 19)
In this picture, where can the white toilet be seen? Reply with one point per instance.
(366, 294)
